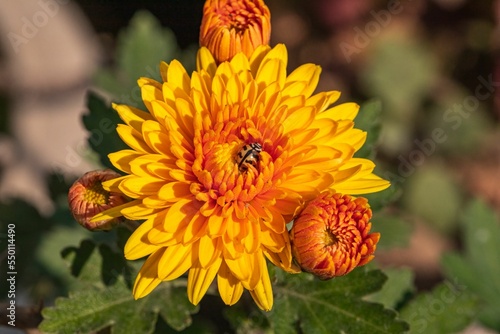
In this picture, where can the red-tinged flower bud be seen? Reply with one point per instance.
(232, 26)
(331, 235)
(86, 198)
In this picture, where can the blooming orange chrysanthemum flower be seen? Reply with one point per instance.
(222, 160)
(232, 26)
(331, 235)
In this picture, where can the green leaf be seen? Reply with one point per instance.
(368, 119)
(478, 268)
(244, 320)
(394, 230)
(101, 121)
(428, 186)
(447, 309)
(141, 47)
(388, 65)
(101, 303)
(90, 310)
(399, 284)
(334, 306)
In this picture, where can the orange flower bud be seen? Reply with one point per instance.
(331, 236)
(86, 198)
(232, 26)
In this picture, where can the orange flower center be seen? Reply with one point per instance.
(236, 160)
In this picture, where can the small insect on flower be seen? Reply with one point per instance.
(248, 155)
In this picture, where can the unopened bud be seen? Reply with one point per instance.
(232, 26)
(331, 235)
(86, 198)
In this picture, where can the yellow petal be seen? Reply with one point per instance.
(217, 225)
(199, 280)
(157, 234)
(252, 239)
(137, 245)
(301, 119)
(208, 250)
(366, 185)
(114, 212)
(342, 111)
(141, 166)
(139, 212)
(141, 185)
(173, 191)
(114, 184)
(163, 70)
(174, 262)
(121, 159)
(197, 227)
(205, 61)
(150, 94)
(133, 138)
(177, 75)
(257, 56)
(308, 74)
(147, 279)
(180, 214)
(134, 117)
(232, 249)
(262, 294)
(323, 100)
(246, 268)
(303, 178)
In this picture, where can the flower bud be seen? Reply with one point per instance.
(331, 235)
(232, 26)
(87, 197)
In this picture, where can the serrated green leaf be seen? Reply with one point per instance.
(368, 119)
(94, 309)
(447, 309)
(394, 230)
(399, 284)
(478, 268)
(101, 121)
(98, 305)
(336, 306)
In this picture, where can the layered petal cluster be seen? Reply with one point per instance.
(331, 236)
(232, 26)
(222, 160)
